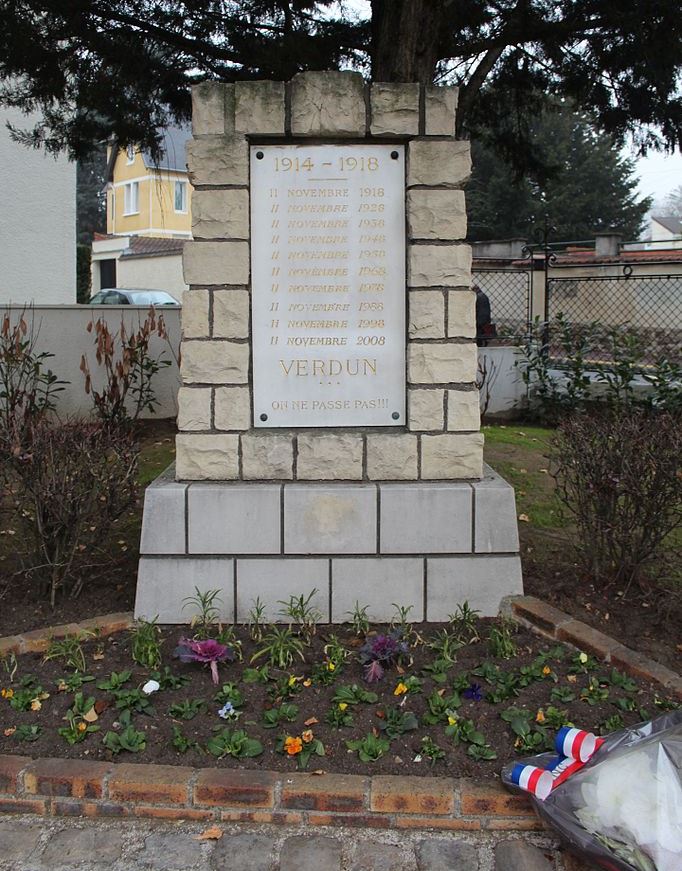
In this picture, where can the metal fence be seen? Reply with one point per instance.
(509, 292)
(647, 306)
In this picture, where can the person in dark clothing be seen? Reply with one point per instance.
(485, 329)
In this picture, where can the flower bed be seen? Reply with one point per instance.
(459, 699)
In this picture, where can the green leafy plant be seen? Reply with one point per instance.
(352, 694)
(302, 748)
(335, 651)
(625, 704)
(70, 683)
(257, 675)
(594, 693)
(208, 612)
(115, 681)
(359, 620)
(437, 670)
(68, 650)
(145, 647)
(464, 623)
(229, 692)
(169, 681)
(440, 708)
(445, 643)
(562, 694)
(236, 743)
(256, 622)
(182, 743)
(396, 722)
(133, 701)
(431, 750)
(28, 733)
(285, 687)
(285, 713)
(530, 738)
(481, 752)
(611, 724)
(301, 611)
(129, 739)
(77, 729)
(281, 647)
(28, 696)
(500, 641)
(339, 716)
(325, 673)
(370, 748)
(400, 619)
(554, 718)
(187, 709)
(506, 687)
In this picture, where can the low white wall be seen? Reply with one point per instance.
(502, 393)
(62, 331)
(160, 273)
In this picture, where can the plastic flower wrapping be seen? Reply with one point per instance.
(622, 809)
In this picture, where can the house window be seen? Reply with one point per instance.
(180, 196)
(131, 198)
(130, 154)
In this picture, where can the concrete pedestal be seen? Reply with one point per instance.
(429, 545)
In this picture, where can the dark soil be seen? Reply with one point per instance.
(313, 701)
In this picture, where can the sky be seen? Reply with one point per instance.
(659, 174)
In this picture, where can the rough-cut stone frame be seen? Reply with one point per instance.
(217, 441)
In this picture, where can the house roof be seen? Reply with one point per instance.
(173, 156)
(671, 223)
(152, 246)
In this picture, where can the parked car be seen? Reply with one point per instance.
(132, 296)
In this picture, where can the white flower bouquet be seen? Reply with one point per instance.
(623, 809)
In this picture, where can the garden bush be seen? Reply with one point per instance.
(562, 370)
(73, 480)
(618, 472)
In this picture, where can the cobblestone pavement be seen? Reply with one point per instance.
(38, 844)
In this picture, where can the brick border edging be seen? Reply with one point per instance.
(38, 640)
(552, 623)
(74, 787)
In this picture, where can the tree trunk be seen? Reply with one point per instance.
(405, 39)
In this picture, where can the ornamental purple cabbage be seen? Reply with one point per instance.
(379, 652)
(210, 652)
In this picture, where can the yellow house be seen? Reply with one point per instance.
(147, 197)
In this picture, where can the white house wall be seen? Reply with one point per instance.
(37, 221)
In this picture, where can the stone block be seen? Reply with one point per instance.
(216, 262)
(427, 314)
(392, 457)
(482, 581)
(426, 518)
(210, 102)
(218, 160)
(464, 413)
(310, 852)
(438, 162)
(194, 408)
(438, 265)
(246, 851)
(215, 362)
(206, 457)
(377, 582)
(436, 214)
(518, 855)
(375, 856)
(336, 519)
(452, 456)
(169, 851)
(326, 456)
(395, 108)
(328, 103)
(275, 580)
(440, 110)
(266, 456)
(231, 314)
(77, 848)
(164, 584)
(449, 363)
(220, 214)
(440, 854)
(497, 528)
(163, 519)
(194, 314)
(232, 408)
(233, 518)
(461, 314)
(425, 409)
(259, 107)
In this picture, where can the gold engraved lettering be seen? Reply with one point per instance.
(303, 368)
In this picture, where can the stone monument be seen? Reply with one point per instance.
(328, 415)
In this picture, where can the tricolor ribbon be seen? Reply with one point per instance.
(575, 743)
(535, 780)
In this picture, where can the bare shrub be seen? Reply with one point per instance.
(618, 472)
(73, 481)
